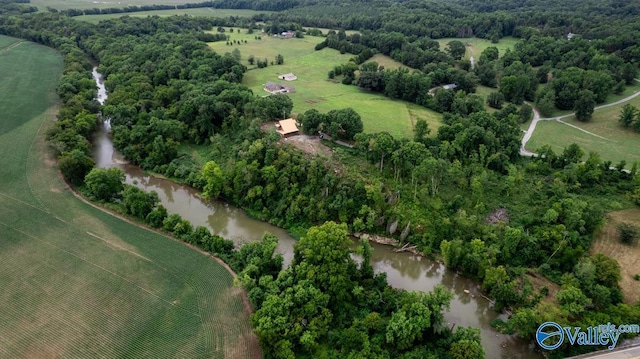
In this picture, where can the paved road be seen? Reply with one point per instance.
(625, 353)
(537, 118)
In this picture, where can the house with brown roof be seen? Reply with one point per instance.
(287, 127)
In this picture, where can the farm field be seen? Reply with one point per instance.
(101, 4)
(204, 11)
(314, 90)
(475, 46)
(78, 282)
(628, 256)
(616, 144)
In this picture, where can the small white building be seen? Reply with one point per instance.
(288, 77)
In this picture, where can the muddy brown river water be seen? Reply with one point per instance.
(404, 270)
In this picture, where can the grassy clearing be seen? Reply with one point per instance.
(607, 243)
(77, 282)
(101, 4)
(475, 46)
(205, 11)
(620, 143)
(314, 90)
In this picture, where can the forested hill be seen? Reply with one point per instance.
(465, 18)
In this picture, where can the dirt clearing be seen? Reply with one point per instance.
(607, 242)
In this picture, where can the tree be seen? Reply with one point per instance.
(104, 184)
(312, 121)
(214, 178)
(74, 166)
(251, 60)
(546, 104)
(236, 54)
(348, 122)
(628, 233)
(279, 59)
(456, 49)
(585, 105)
(627, 115)
(466, 344)
(421, 131)
(138, 202)
(526, 113)
(495, 100)
(383, 144)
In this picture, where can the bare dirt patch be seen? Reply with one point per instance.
(607, 242)
(308, 144)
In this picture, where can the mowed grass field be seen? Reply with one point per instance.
(101, 4)
(615, 142)
(204, 11)
(628, 256)
(475, 45)
(313, 90)
(78, 282)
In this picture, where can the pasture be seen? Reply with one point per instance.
(313, 89)
(204, 11)
(475, 45)
(101, 4)
(614, 143)
(628, 256)
(78, 282)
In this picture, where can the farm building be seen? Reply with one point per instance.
(275, 88)
(288, 77)
(287, 35)
(287, 127)
(446, 87)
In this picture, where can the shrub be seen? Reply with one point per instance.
(628, 233)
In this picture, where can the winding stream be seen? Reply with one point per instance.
(404, 270)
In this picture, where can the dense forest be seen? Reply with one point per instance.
(462, 194)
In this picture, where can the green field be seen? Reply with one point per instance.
(619, 143)
(475, 46)
(101, 4)
(77, 282)
(314, 90)
(204, 11)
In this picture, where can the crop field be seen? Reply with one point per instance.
(314, 90)
(101, 4)
(78, 282)
(614, 143)
(204, 11)
(628, 256)
(475, 46)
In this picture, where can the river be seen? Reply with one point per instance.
(404, 270)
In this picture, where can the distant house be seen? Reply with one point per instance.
(432, 91)
(570, 36)
(275, 88)
(287, 35)
(288, 77)
(287, 127)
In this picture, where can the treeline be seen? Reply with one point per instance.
(276, 5)
(467, 18)
(16, 7)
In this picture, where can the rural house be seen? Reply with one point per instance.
(275, 88)
(287, 127)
